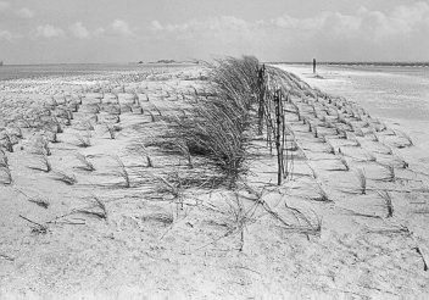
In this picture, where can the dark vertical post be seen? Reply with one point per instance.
(314, 66)
(277, 101)
(261, 83)
(285, 159)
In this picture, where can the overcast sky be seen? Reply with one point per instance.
(52, 31)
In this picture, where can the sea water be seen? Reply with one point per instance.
(8, 72)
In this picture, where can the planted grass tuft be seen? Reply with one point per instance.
(407, 138)
(122, 172)
(391, 173)
(83, 141)
(6, 142)
(4, 161)
(97, 209)
(46, 164)
(388, 202)
(41, 146)
(143, 151)
(112, 130)
(6, 175)
(362, 181)
(345, 163)
(322, 195)
(38, 200)
(86, 164)
(65, 178)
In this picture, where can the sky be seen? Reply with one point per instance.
(81, 31)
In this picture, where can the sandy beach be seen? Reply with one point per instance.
(93, 208)
(397, 96)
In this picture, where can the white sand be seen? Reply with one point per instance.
(401, 99)
(148, 246)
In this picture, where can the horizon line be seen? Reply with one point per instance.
(399, 62)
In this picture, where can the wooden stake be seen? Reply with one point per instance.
(261, 83)
(280, 161)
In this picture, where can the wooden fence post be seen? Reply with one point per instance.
(279, 128)
(261, 84)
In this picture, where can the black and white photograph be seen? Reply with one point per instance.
(214, 149)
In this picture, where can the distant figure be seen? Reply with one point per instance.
(314, 66)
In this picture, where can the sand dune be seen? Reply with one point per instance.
(90, 202)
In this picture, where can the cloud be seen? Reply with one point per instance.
(155, 25)
(215, 27)
(120, 27)
(25, 13)
(362, 34)
(290, 22)
(210, 24)
(49, 31)
(80, 31)
(99, 31)
(4, 5)
(6, 35)
(364, 24)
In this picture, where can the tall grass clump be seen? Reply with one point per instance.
(237, 81)
(218, 125)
